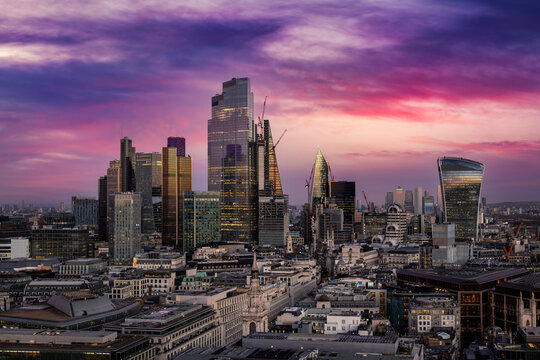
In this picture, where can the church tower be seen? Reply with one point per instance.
(255, 316)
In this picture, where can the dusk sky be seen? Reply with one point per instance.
(382, 87)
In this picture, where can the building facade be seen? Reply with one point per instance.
(319, 189)
(64, 243)
(461, 183)
(147, 178)
(201, 219)
(126, 241)
(85, 210)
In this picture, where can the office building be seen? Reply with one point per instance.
(14, 248)
(201, 219)
(102, 208)
(461, 182)
(85, 210)
(127, 165)
(147, 178)
(343, 194)
(399, 198)
(59, 220)
(114, 185)
(126, 241)
(389, 200)
(64, 243)
(418, 201)
(409, 203)
(13, 226)
(471, 286)
(517, 303)
(177, 178)
(319, 189)
(396, 224)
(179, 143)
(432, 312)
(232, 160)
(157, 209)
(273, 220)
(429, 205)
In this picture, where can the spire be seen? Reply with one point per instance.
(254, 266)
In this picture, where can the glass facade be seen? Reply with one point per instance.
(179, 143)
(201, 219)
(176, 171)
(232, 162)
(64, 243)
(271, 170)
(147, 177)
(102, 208)
(127, 163)
(320, 180)
(113, 186)
(461, 182)
(85, 210)
(343, 194)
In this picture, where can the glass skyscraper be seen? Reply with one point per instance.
(232, 168)
(343, 194)
(127, 164)
(176, 172)
(179, 143)
(461, 182)
(147, 177)
(320, 180)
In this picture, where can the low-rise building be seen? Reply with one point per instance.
(159, 260)
(228, 304)
(427, 313)
(99, 345)
(402, 257)
(83, 267)
(14, 248)
(174, 329)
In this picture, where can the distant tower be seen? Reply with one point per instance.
(389, 199)
(127, 164)
(418, 203)
(102, 208)
(409, 203)
(179, 143)
(461, 183)
(399, 196)
(289, 243)
(114, 185)
(320, 180)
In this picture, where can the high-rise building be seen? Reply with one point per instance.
(85, 210)
(147, 177)
(409, 202)
(127, 163)
(418, 201)
(126, 241)
(177, 178)
(201, 219)
(114, 185)
(343, 194)
(179, 143)
(320, 180)
(232, 160)
(461, 183)
(439, 196)
(58, 220)
(399, 199)
(396, 224)
(429, 205)
(157, 209)
(389, 199)
(273, 212)
(102, 208)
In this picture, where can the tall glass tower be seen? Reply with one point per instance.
(232, 160)
(320, 180)
(461, 182)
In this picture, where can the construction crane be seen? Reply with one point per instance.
(508, 249)
(367, 202)
(261, 118)
(308, 183)
(277, 142)
(331, 174)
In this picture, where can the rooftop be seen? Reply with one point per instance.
(478, 275)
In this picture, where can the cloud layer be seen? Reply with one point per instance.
(383, 87)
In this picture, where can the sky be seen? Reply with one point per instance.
(382, 87)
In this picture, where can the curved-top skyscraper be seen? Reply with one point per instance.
(461, 182)
(320, 179)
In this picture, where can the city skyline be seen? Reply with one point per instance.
(382, 103)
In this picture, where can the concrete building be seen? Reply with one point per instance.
(427, 313)
(173, 329)
(83, 267)
(46, 344)
(159, 260)
(126, 241)
(273, 220)
(396, 224)
(228, 304)
(418, 201)
(401, 257)
(14, 248)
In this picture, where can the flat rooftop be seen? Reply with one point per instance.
(465, 275)
(389, 338)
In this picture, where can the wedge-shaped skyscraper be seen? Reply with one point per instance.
(461, 182)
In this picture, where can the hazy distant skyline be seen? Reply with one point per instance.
(382, 87)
